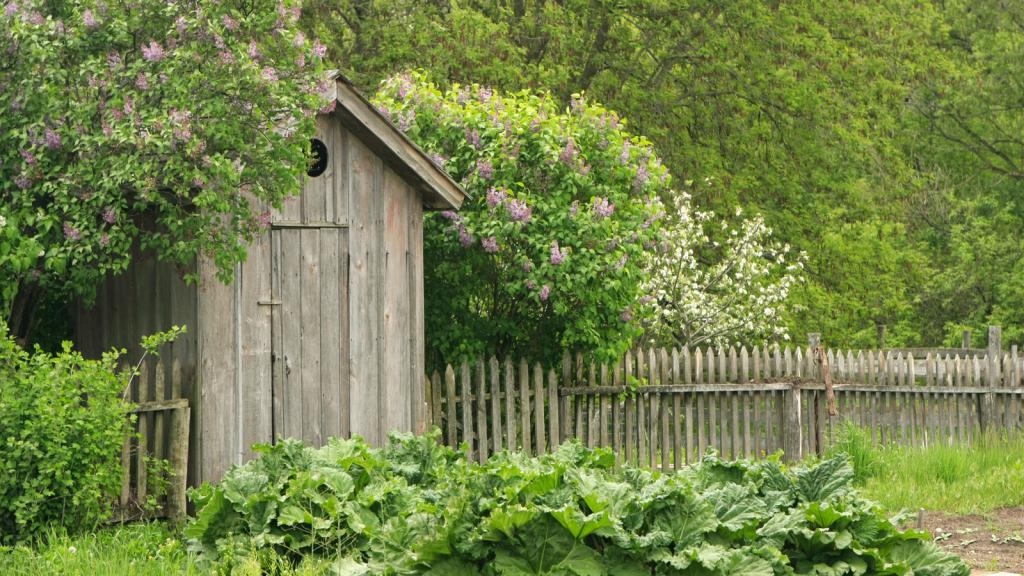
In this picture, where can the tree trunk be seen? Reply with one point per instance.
(23, 318)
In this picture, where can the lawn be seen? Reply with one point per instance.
(976, 479)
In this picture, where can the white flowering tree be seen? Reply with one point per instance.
(702, 291)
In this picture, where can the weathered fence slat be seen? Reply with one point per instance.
(664, 408)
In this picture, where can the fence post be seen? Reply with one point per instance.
(993, 360)
(966, 341)
(176, 492)
(793, 443)
(881, 336)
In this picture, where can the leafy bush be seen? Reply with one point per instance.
(62, 422)
(547, 251)
(418, 508)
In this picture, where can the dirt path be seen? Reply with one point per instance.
(993, 542)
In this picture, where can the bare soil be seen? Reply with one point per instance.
(991, 542)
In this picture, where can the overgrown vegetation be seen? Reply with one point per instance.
(975, 479)
(62, 423)
(882, 139)
(418, 508)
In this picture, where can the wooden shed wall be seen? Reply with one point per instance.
(150, 296)
(340, 279)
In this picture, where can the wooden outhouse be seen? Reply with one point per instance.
(321, 332)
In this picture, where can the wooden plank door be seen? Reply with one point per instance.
(309, 333)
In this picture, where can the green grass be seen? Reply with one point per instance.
(956, 479)
(135, 550)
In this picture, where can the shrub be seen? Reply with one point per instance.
(417, 508)
(62, 423)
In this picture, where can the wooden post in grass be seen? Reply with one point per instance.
(966, 341)
(993, 365)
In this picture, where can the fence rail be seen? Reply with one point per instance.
(159, 431)
(664, 408)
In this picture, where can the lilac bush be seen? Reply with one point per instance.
(173, 125)
(546, 253)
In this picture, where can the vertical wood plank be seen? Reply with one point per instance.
(465, 391)
(538, 407)
(524, 406)
(511, 422)
(496, 429)
(451, 410)
(481, 412)
(553, 425)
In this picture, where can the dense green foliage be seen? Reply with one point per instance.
(162, 126)
(62, 423)
(883, 139)
(419, 508)
(546, 253)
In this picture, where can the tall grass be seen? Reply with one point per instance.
(973, 479)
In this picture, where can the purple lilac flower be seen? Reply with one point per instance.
(89, 19)
(465, 238)
(584, 169)
(568, 154)
(545, 291)
(530, 284)
(109, 215)
(463, 95)
(527, 266)
(198, 183)
(405, 121)
(71, 233)
(114, 59)
(329, 107)
(36, 18)
(495, 196)
(254, 51)
(557, 254)
(22, 181)
(384, 111)
(626, 316)
(218, 41)
(179, 24)
(28, 157)
(229, 22)
(647, 299)
(107, 130)
(602, 207)
(451, 216)
(438, 159)
(641, 176)
(300, 40)
(534, 125)
(104, 239)
(10, 9)
(485, 169)
(484, 94)
(319, 49)
(518, 210)
(129, 106)
(300, 61)
(264, 219)
(142, 82)
(575, 104)
(154, 52)
(270, 74)
(473, 137)
(226, 57)
(624, 156)
(490, 244)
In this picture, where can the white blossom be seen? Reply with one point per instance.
(717, 293)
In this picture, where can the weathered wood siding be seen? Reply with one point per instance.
(148, 297)
(322, 332)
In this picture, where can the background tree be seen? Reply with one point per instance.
(143, 125)
(546, 253)
(704, 292)
(799, 111)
